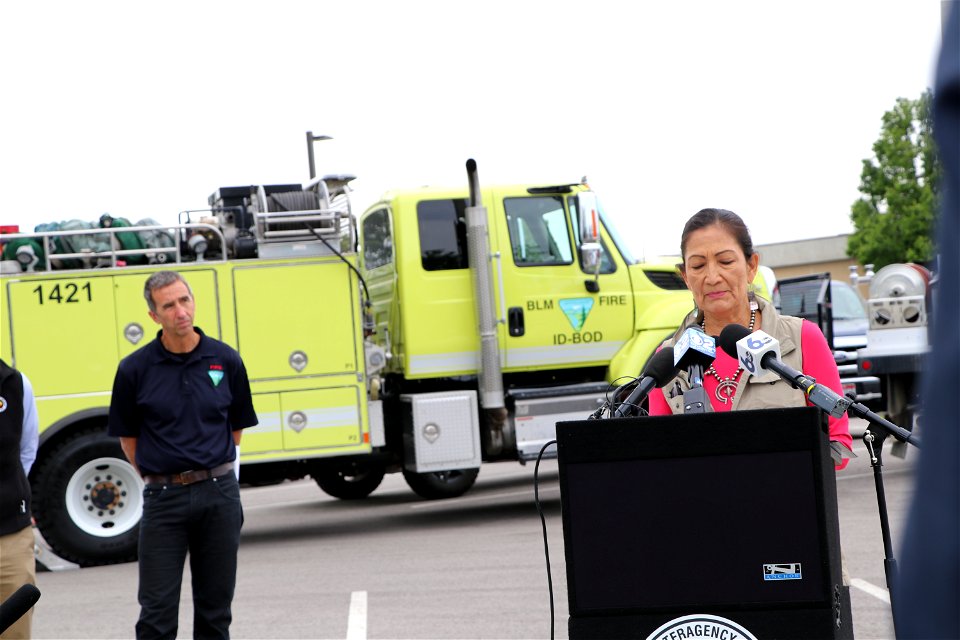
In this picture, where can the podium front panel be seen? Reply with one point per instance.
(715, 512)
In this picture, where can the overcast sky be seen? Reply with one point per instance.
(765, 108)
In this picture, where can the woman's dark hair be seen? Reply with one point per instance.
(726, 219)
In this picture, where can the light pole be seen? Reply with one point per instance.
(310, 140)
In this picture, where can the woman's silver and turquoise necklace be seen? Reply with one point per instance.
(727, 386)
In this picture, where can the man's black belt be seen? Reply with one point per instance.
(189, 477)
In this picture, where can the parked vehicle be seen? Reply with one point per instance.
(898, 309)
(450, 327)
(837, 308)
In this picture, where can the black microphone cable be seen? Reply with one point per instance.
(543, 523)
(609, 404)
(641, 411)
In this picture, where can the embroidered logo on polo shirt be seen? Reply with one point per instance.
(216, 374)
(3, 404)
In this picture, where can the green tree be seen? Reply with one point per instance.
(894, 218)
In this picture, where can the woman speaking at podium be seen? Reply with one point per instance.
(718, 266)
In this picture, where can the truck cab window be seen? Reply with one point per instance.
(538, 231)
(443, 234)
(377, 240)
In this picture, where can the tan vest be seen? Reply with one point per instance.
(764, 392)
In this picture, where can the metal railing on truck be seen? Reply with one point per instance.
(111, 255)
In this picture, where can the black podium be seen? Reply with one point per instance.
(720, 524)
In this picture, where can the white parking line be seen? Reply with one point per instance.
(877, 592)
(487, 496)
(889, 472)
(357, 620)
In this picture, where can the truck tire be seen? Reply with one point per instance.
(348, 480)
(441, 484)
(87, 500)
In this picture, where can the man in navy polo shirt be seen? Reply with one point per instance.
(179, 404)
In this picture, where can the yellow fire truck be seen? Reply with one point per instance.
(442, 329)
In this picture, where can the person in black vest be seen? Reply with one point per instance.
(179, 404)
(18, 450)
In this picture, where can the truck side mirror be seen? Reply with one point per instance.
(589, 213)
(590, 259)
(590, 256)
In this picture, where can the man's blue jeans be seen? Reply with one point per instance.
(203, 518)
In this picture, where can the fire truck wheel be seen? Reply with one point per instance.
(88, 500)
(441, 484)
(348, 480)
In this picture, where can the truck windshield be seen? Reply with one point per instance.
(616, 237)
(606, 265)
(846, 303)
(800, 299)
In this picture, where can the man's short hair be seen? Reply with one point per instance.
(159, 280)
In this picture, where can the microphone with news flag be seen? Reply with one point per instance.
(658, 372)
(759, 353)
(694, 351)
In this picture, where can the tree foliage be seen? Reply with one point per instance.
(895, 215)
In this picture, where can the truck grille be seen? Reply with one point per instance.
(666, 280)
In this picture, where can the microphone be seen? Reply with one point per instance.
(759, 354)
(658, 372)
(694, 351)
(13, 608)
(759, 347)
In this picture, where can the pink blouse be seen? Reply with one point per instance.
(818, 363)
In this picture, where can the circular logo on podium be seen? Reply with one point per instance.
(701, 625)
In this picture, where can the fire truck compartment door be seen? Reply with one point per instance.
(58, 336)
(297, 320)
(321, 418)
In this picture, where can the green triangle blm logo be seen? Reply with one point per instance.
(576, 310)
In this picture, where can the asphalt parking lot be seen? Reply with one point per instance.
(395, 566)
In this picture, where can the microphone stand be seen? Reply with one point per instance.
(874, 443)
(836, 406)
(695, 398)
(874, 446)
